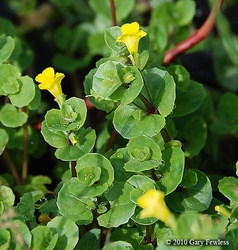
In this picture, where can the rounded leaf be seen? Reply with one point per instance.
(131, 121)
(196, 198)
(172, 169)
(7, 45)
(161, 86)
(7, 196)
(97, 169)
(121, 207)
(12, 117)
(72, 207)
(43, 238)
(67, 230)
(55, 138)
(3, 140)
(26, 93)
(85, 142)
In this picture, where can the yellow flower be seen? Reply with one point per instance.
(223, 210)
(153, 204)
(51, 81)
(131, 35)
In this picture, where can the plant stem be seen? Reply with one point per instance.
(112, 140)
(73, 169)
(113, 12)
(148, 234)
(198, 36)
(165, 135)
(25, 150)
(150, 108)
(11, 166)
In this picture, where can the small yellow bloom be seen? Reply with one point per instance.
(131, 35)
(223, 210)
(51, 81)
(153, 204)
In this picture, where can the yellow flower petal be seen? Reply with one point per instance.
(131, 36)
(153, 204)
(50, 81)
(130, 28)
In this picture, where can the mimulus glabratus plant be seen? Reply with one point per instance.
(136, 192)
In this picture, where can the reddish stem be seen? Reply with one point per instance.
(198, 36)
(112, 140)
(113, 12)
(73, 170)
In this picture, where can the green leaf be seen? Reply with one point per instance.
(118, 161)
(190, 100)
(228, 186)
(231, 237)
(99, 104)
(7, 45)
(196, 198)
(90, 240)
(131, 88)
(118, 245)
(72, 207)
(121, 207)
(43, 238)
(63, 36)
(26, 93)
(110, 35)
(40, 181)
(228, 38)
(7, 196)
(7, 71)
(199, 226)
(180, 75)
(190, 179)
(19, 230)
(86, 140)
(195, 135)
(171, 170)
(146, 221)
(25, 207)
(123, 8)
(134, 236)
(12, 117)
(36, 101)
(183, 12)
(144, 154)
(3, 140)
(161, 87)
(106, 80)
(95, 174)
(227, 107)
(55, 138)
(5, 239)
(67, 231)
(74, 112)
(131, 121)
(11, 86)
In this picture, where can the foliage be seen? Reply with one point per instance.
(145, 177)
